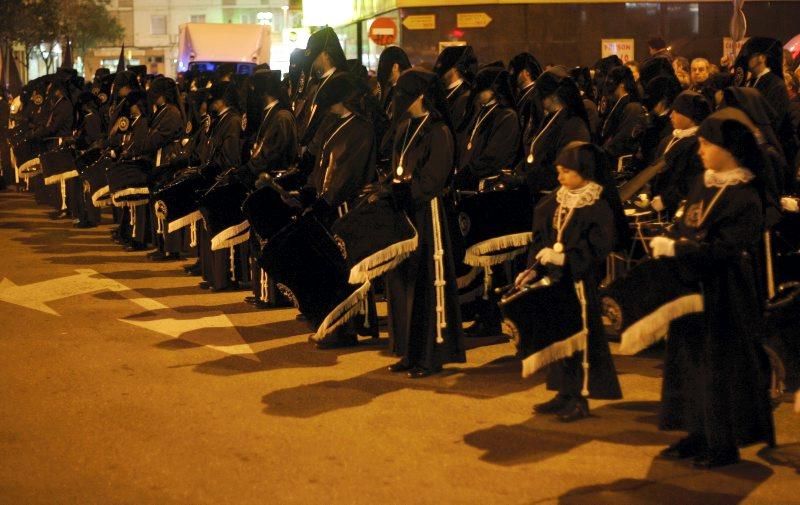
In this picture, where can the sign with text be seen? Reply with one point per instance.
(420, 22)
(621, 47)
(451, 43)
(731, 50)
(472, 20)
(383, 31)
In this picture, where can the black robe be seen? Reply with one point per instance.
(683, 166)
(458, 106)
(716, 373)
(658, 128)
(493, 147)
(773, 88)
(346, 161)
(410, 286)
(275, 144)
(541, 175)
(587, 239)
(529, 109)
(308, 112)
(622, 128)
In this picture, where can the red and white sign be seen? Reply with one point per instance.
(383, 31)
(621, 47)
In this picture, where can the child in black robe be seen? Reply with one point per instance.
(716, 371)
(574, 230)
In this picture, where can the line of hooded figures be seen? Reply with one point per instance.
(558, 207)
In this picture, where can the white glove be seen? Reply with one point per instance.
(525, 277)
(548, 256)
(662, 247)
(657, 204)
(790, 204)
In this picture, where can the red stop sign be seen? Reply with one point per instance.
(383, 31)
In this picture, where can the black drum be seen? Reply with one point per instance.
(496, 225)
(177, 201)
(308, 268)
(95, 182)
(375, 237)
(221, 207)
(266, 212)
(127, 183)
(58, 166)
(544, 335)
(640, 305)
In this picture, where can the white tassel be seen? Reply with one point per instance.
(132, 211)
(193, 234)
(159, 226)
(264, 286)
(487, 282)
(233, 263)
(582, 298)
(365, 309)
(438, 263)
(63, 194)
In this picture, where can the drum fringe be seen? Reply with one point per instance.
(653, 327)
(115, 198)
(25, 172)
(232, 235)
(379, 263)
(101, 197)
(55, 179)
(555, 352)
(343, 312)
(177, 224)
(480, 254)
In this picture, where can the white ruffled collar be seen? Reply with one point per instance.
(739, 175)
(581, 197)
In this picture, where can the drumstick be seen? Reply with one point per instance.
(630, 188)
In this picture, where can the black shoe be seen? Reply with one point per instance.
(166, 257)
(193, 271)
(233, 286)
(300, 317)
(59, 214)
(689, 447)
(553, 406)
(400, 366)
(575, 410)
(193, 266)
(337, 343)
(421, 373)
(84, 225)
(251, 300)
(480, 329)
(204, 285)
(716, 459)
(135, 247)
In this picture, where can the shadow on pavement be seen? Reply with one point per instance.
(676, 482)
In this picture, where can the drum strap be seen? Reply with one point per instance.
(193, 234)
(132, 212)
(264, 286)
(438, 265)
(579, 290)
(233, 262)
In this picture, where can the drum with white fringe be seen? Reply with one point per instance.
(374, 237)
(266, 212)
(496, 225)
(177, 200)
(640, 305)
(58, 166)
(309, 269)
(221, 207)
(95, 182)
(128, 183)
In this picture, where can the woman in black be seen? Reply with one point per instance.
(425, 283)
(574, 230)
(715, 375)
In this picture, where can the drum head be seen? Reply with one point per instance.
(267, 212)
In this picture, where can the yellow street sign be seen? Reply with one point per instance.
(473, 20)
(420, 22)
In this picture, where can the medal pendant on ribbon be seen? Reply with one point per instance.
(558, 247)
(469, 146)
(529, 159)
(399, 170)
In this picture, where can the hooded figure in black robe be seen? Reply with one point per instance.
(660, 91)
(623, 116)
(422, 166)
(324, 58)
(392, 62)
(346, 145)
(716, 373)
(524, 69)
(456, 66)
(490, 142)
(565, 121)
(592, 225)
(682, 164)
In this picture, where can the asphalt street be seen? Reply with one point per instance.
(122, 382)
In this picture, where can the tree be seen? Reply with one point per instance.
(40, 24)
